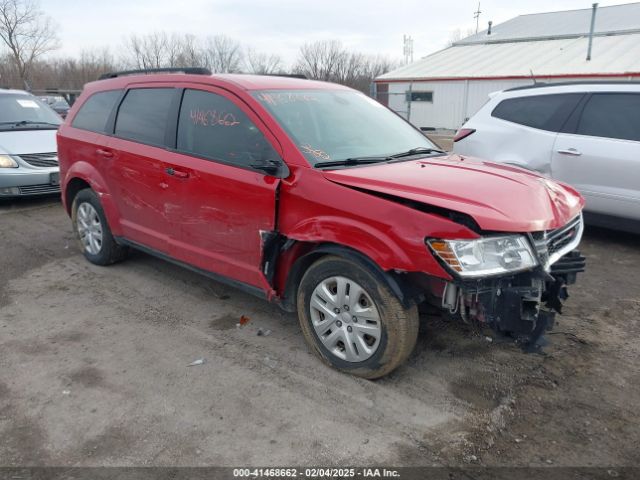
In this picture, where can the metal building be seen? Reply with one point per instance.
(447, 87)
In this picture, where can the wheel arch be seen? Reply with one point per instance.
(306, 254)
(71, 190)
(83, 175)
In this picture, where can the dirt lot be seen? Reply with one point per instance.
(93, 371)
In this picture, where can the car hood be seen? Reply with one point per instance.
(499, 197)
(18, 142)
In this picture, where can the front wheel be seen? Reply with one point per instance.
(352, 320)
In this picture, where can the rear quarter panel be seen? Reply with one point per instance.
(76, 154)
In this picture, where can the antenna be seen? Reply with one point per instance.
(408, 49)
(533, 77)
(476, 15)
(593, 24)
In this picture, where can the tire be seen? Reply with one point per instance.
(376, 352)
(89, 220)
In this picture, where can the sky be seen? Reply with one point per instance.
(282, 26)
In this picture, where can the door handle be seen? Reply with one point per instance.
(104, 153)
(570, 151)
(176, 173)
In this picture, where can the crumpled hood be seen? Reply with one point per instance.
(499, 197)
(18, 142)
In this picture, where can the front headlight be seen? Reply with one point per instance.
(7, 162)
(485, 256)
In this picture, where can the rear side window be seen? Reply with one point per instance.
(611, 115)
(94, 113)
(143, 115)
(546, 112)
(213, 127)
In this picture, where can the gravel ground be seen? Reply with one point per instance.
(93, 371)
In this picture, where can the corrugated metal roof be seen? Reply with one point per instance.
(617, 54)
(617, 18)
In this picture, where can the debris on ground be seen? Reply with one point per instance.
(270, 362)
(263, 333)
(195, 363)
(243, 321)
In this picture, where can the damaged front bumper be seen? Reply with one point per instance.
(522, 306)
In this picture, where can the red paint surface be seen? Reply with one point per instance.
(211, 215)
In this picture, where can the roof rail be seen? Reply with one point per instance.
(189, 70)
(290, 75)
(568, 84)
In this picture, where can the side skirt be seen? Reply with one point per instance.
(245, 287)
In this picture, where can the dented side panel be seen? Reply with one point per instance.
(223, 211)
(314, 210)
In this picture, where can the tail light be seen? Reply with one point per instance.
(463, 133)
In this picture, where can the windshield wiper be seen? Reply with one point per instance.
(417, 151)
(353, 161)
(28, 122)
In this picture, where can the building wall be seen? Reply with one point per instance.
(453, 100)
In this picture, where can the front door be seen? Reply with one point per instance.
(225, 203)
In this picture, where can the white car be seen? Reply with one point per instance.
(585, 134)
(28, 151)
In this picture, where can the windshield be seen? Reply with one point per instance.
(331, 125)
(26, 111)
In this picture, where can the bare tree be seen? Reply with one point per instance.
(321, 60)
(261, 63)
(147, 51)
(190, 53)
(330, 61)
(223, 54)
(27, 33)
(160, 50)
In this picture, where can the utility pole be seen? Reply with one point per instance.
(476, 15)
(408, 49)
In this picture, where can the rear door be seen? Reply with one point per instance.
(135, 167)
(601, 158)
(225, 203)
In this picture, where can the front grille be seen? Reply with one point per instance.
(41, 159)
(551, 245)
(39, 189)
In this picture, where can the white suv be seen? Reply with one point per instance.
(585, 134)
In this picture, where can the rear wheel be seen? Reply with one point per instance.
(93, 232)
(352, 320)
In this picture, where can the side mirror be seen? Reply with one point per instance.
(270, 167)
(270, 163)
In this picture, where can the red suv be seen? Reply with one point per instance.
(315, 196)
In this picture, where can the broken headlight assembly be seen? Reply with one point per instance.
(485, 256)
